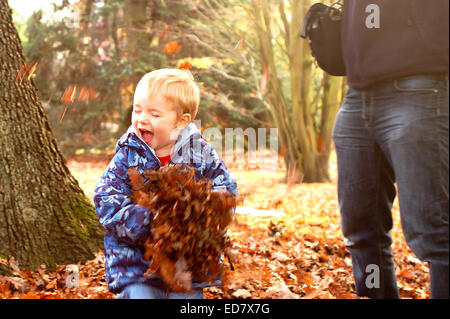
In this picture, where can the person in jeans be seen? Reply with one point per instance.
(393, 127)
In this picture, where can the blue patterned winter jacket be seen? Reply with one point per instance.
(127, 224)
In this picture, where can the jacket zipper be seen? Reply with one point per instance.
(150, 150)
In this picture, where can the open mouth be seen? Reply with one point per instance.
(146, 135)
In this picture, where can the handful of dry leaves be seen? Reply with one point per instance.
(188, 227)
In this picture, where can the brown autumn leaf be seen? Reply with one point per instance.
(280, 291)
(69, 94)
(189, 226)
(242, 294)
(240, 45)
(281, 257)
(26, 71)
(163, 34)
(185, 66)
(172, 47)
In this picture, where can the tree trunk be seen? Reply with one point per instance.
(308, 144)
(331, 101)
(45, 218)
(301, 75)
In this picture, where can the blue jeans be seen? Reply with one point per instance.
(144, 291)
(395, 132)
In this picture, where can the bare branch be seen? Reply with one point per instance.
(227, 76)
(223, 100)
(287, 35)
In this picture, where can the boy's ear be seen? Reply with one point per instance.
(184, 120)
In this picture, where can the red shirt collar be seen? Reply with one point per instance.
(164, 159)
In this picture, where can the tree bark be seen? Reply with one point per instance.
(331, 101)
(45, 218)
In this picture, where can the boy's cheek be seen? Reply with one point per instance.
(134, 121)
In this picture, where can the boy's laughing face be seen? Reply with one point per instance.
(156, 121)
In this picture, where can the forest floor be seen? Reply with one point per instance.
(298, 255)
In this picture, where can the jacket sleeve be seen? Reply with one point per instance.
(127, 222)
(218, 173)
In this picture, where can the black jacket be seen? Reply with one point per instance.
(412, 38)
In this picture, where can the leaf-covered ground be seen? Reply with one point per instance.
(299, 255)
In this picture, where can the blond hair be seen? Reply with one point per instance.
(176, 86)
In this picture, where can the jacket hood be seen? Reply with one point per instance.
(132, 139)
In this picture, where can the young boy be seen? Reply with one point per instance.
(165, 103)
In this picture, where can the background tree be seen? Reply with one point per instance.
(301, 99)
(45, 218)
(293, 92)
